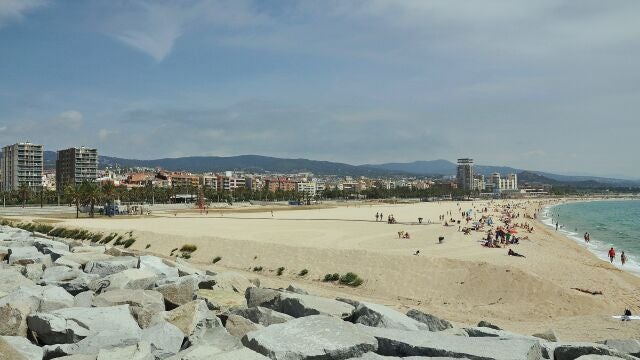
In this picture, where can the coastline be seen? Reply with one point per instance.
(458, 280)
(596, 247)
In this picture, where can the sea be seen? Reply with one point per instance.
(611, 223)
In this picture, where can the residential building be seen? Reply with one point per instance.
(22, 165)
(309, 188)
(464, 175)
(76, 165)
(209, 181)
(509, 183)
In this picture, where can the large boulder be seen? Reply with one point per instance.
(111, 266)
(627, 346)
(39, 298)
(297, 305)
(11, 279)
(262, 316)
(84, 299)
(84, 257)
(72, 280)
(24, 347)
(8, 352)
(33, 272)
(381, 316)
(55, 253)
(192, 318)
(311, 337)
(70, 325)
(13, 319)
(239, 326)
(183, 290)
(393, 342)
(571, 351)
(231, 282)
(185, 268)
(217, 344)
(433, 322)
(28, 255)
(139, 351)
(127, 279)
(43, 244)
(165, 339)
(158, 266)
(4, 252)
(96, 249)
(219, 299)
(144, 303)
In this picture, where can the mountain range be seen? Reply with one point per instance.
(265, 164)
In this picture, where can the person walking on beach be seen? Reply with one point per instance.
(623, 258)
(556, 226)
(612, 255)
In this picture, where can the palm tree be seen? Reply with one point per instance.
(73, 194)
(108, 193)
(90, 195)
(25, 193)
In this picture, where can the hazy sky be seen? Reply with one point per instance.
(541, 85)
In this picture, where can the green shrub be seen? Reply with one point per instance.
(331, 277)
(185, 255)
(350, 279)
(216, 259)
(257, 268)
(188, 248)
(107, 239)
(303, 272)
(96, 238)
(148, 246)
(280, 271)
(128, 242)
(118, 241)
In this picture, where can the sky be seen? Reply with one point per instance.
(538, 85)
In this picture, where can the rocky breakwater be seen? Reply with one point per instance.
(68, 300)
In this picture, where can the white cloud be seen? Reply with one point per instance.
(70, 119)
(11, 10)
(103, 134)
(153, 27)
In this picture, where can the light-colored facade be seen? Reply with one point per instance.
(509, 183)
(464, 175)
(76, 165)
(22, 165)
(308, 188)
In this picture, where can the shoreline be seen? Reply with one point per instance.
(601, 254)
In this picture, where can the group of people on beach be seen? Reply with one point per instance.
(612, 256)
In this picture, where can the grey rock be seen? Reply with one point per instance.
(294, 289)
(92, 344)
(381, 316)
(433, 322)
(144, 303)
(193, 319)
(71, 325)
(393, 342)
(72, 280)
(311, 337)
(488, 325)
(158, 266)
(55, 253)
(100, 249)
(127, 279)
(239, 326)
(84, 299)
(66, 261)
(165, 339)
(24, 347)
(11, 279)
(262, 316)
(571, 351)
(13, 319)
(28, 255)
(181, 290)
(598, 357)
(39, 298)
(230, 281)
(216, 344)
(111, 266)
(84, 257)
(77, 357)
(548, 335)
(7, 352)
(627, 346)
(185, 268)
(43, 244)
(139, 351)
(115, 251)
(33, 272)
(489, 332)
(261, 297)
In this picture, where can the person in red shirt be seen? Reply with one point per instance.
(612, 255)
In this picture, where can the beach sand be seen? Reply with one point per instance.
(458, 280)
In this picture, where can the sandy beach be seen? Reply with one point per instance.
(459, 279)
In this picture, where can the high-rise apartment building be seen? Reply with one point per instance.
(76, 165)
(464, 176)
(22, 165)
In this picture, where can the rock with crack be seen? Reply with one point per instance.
(24, 347)
(193, 319)
(165, 339)
(111, 266)
(433, 322)
(311, 337)
(381, 316)
(297, 305)
(393, 342)
(144, 304)
(127, 279)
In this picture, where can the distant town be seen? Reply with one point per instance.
(25, 180)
